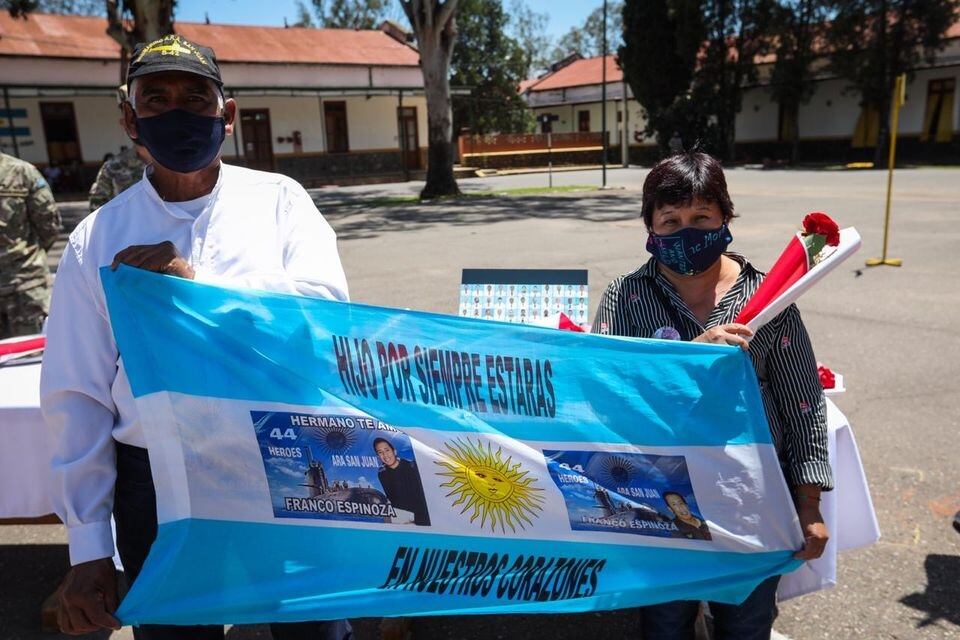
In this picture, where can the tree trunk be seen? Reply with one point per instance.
(436, 31)
(435, 66)
(795, 134)
(152, 19)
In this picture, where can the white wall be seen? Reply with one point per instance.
(286, 116)
(316, 76)
(758, 118)
(46, 71)
(914, 109)
(371, 123)
(98, 128)
(832, 112)
(569, 119)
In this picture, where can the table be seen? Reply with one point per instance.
(847, 511)
(25, 483)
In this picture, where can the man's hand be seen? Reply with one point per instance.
(734, 334)
(162, 258)
(88, 597)
(815, 534)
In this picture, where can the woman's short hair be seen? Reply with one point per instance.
(682, 178)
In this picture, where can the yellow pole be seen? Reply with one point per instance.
(899, 96)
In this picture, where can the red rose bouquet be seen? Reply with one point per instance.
(813, 247)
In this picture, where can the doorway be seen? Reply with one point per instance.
(257, 139)
(409, 138)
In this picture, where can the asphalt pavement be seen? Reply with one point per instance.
(888, 330)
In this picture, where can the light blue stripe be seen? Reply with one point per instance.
(181, 336)
(215, 572)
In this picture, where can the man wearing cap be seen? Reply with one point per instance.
(193, 217)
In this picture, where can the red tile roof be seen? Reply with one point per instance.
(578, 74)
(588, 71)
(57, 36)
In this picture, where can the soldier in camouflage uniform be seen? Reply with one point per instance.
(122, 171)
(29, 225)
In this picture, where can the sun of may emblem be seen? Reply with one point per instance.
(499, 491)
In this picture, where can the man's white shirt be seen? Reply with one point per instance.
(255, 230)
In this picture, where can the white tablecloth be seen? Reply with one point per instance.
(25, 445)
(847, 511)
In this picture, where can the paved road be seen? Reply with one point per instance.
(889, 331)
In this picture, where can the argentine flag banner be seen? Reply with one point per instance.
(318, 460)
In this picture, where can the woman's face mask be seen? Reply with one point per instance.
(690, 250)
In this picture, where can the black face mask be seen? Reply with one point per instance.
(180, 140)
(689, 251)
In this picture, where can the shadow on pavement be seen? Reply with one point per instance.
(941, 599)
(358, 221)
(28, 574)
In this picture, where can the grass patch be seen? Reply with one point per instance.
(536, 191)
(393, 201)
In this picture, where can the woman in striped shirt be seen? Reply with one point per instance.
(692, 289)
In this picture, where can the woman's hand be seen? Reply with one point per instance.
(734, 334)
(815, 534)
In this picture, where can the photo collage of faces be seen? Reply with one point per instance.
(524, 303)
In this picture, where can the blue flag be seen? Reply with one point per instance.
(318, 460)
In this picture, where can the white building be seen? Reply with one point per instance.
(832, 125)
(320, 105)
(572, 91)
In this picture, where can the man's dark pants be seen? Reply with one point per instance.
(751, 620)
(135, 512)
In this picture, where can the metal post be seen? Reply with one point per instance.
(13, 129)
(624, 134)
(899, 91)
(550, 157)
(603, 93)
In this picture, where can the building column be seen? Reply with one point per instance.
(9, 119)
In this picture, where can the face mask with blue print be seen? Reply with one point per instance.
(689, 251)
(180, 140)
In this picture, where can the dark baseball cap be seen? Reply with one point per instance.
(173, 53)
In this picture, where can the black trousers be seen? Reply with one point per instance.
(135, 512)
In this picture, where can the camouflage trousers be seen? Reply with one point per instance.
(23, 312)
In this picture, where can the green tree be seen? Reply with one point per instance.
(492, 64)
(735, 37)
(20, 8)
(874, 41)
(529, 29)
(435, 27)
(665, 36)
(348, 14)
(304, 19)
(588, 39)
(795, 27)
